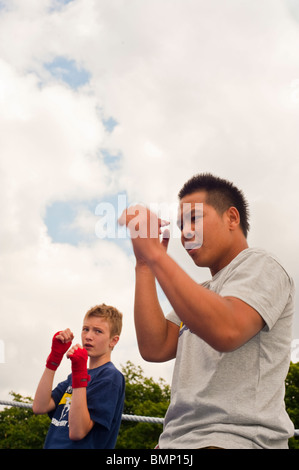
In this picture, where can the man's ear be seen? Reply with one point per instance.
(233, 218)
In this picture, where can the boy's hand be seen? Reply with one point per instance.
(79, 356)
(61, 342)
(65, 336)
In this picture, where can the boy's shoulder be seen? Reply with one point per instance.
(106, 371)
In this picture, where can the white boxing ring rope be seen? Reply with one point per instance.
(144, 419)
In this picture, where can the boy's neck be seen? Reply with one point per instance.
(98, 361)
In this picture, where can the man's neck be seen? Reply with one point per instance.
(231, 254)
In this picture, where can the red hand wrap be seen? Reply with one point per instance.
(80, 377)
(57, 351)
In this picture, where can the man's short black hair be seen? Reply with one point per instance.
(221, 194)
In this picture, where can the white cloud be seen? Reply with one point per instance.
(193, 86)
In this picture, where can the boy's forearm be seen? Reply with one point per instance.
(80, 422)
(43, 402)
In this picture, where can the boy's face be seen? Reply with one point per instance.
(214, 238)
(96, 339)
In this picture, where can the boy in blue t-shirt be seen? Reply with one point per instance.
(86, 408)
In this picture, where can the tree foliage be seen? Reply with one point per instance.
(292, 400)
(144, 397)
(21, 429)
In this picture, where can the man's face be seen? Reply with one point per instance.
(204, 232)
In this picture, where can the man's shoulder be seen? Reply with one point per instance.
(256, 256)
(251, 265)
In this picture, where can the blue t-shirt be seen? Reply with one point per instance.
(105, 399)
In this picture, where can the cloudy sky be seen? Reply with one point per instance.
(106, 101)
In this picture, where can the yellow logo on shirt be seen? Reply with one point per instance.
(183, 328)
(66, 399)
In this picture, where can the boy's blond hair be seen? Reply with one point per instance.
(111, 314)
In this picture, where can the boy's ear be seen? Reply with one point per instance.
(114, 341)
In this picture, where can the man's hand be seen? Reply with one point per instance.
(61, 342)
(145, 230)
(79, 357)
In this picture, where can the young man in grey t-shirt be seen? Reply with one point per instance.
(230, 336)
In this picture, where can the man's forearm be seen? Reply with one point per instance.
(152, 328)
(148, 315)
(224, 323)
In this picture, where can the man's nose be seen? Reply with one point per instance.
(188, 233)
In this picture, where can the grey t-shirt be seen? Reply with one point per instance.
(236, 399)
